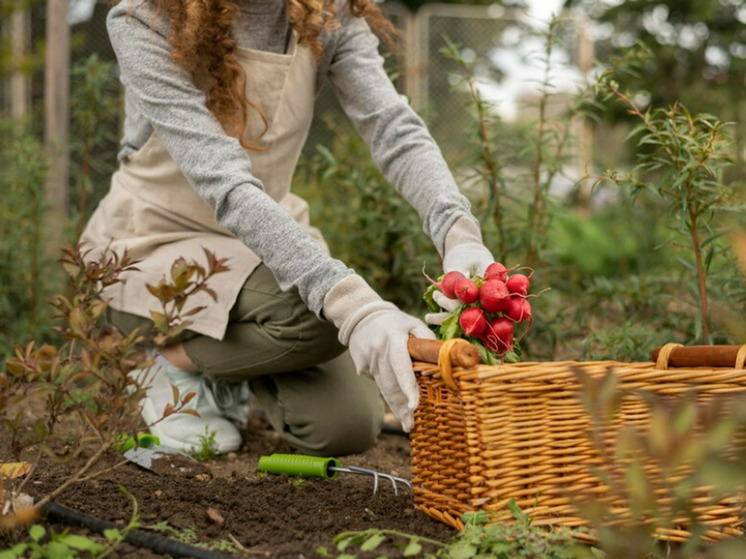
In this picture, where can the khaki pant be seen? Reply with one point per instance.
(302, 377)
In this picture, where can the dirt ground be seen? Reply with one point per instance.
(262, 515)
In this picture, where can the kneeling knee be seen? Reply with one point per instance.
(355, 431)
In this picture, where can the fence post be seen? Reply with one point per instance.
(20, 89)
(57, 115)
(412, 60)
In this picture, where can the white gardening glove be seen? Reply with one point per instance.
(377, 335)
(448, 305)
(468, 258)
(465, 253)
(464, 250)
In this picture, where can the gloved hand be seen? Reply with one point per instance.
(377, 336)
(449, 305)
(465, 253)
(467, 258)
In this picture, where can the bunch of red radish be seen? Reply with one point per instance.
(492, 305)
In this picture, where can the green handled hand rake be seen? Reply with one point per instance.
(327, 468)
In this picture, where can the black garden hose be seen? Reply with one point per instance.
(154, 542)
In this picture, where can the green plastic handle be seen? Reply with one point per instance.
(299, 465)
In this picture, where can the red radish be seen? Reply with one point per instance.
(499, 336)
(466, 291)
(518, 309)
(473, 322)
(496, 270)
(493, 295)
(518, 283)
(448, 284)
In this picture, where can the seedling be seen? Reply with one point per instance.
(207, 449)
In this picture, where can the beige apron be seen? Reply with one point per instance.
(152, 211)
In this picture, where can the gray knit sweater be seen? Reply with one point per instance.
(160, 97)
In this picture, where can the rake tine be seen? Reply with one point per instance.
(360, 471)
(404, 481)
(376, 475)
(395, 479)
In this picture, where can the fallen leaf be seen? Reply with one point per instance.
(215, 516)
(13, 470)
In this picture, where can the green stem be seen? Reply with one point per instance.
(536, 209)
(701, 274)
(488, 158)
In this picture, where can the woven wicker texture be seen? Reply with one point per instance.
(489, 434)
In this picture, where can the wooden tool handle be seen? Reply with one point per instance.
(701, 356)
(462, 355)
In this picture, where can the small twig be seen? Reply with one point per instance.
(94, 475)
(28, 476)
(237, 543)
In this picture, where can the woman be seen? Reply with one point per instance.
(219, 97)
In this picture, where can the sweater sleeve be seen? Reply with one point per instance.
(400, 144)
(214, 163)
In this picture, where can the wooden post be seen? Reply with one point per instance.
(412, 81)
(20, 86)
(57, 115)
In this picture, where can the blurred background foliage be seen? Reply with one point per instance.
(700, 55)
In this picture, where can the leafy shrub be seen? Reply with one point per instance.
(27, 278)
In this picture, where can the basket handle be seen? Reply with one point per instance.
(677, 355)
(461, 354)
(445, 354)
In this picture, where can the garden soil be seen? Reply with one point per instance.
(261, 515)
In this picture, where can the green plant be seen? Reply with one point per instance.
(189, 536)
(297, 482)
(207, 449)
(27, 278)
(629, 341)
(517, 164)
(680, 159)
(58, 546)
(479, 539)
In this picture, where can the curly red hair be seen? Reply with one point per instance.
(202, 42)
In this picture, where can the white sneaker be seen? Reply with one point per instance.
(180, 430)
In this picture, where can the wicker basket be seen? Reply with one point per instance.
(485, 435)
